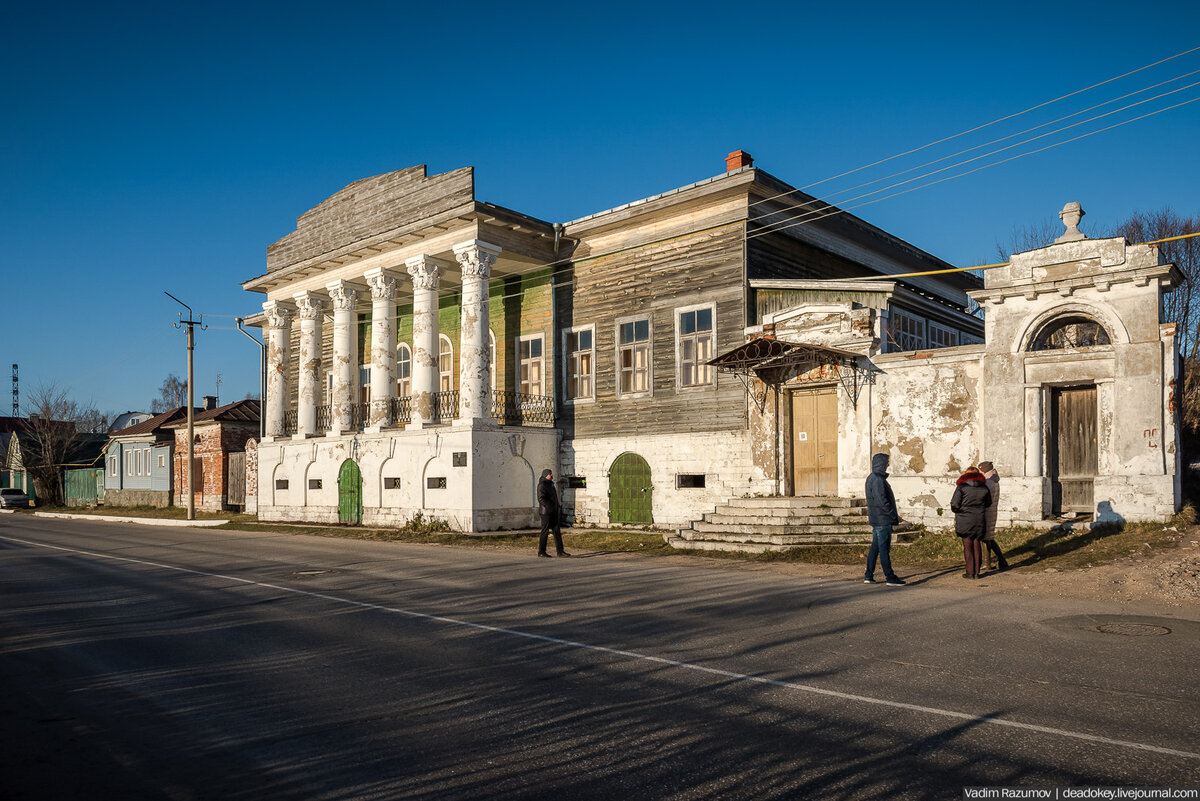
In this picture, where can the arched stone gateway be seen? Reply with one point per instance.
(350, 506)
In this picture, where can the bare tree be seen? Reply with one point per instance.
(1031, 237)
(53, 438)
(171, 395)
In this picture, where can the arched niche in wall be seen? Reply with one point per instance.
(1063, 323)
(1069, 331)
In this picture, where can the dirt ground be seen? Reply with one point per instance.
(1167, 578)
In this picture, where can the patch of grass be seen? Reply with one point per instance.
(156, 512)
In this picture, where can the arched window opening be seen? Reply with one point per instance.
(446, 363)
(1070, 332)
(403, 371)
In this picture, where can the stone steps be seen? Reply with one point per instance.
(756, 525)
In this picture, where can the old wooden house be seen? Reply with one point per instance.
(430, 353)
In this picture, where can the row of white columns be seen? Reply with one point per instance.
(476, 259)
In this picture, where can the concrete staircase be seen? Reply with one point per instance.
(756, 525)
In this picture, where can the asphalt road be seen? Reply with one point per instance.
(170, 663)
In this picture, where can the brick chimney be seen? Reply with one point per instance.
(738, 159)
(210, 402)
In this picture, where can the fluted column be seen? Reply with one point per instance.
(308, 383)
(475, 353)
(425, 273)
(345, 353)
(383, 344)
(279, 331)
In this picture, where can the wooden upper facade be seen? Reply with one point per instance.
(612, 315)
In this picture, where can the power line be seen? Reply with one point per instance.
(981, 127)
(829, 197)
(773, 228)
(997, 151)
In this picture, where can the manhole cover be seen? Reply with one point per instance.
(1133, 629)
(310, 572)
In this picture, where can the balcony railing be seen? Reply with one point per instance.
(507, 409)
(445, 406)
(518, 409)
(360, 415)
(400, 411)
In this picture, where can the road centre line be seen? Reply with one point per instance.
(728, 674)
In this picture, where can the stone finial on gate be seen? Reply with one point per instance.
(1071, 214)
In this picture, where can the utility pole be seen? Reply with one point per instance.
(191, 407)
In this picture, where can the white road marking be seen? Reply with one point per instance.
(728, 674)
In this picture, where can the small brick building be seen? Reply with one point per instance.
(221, 436)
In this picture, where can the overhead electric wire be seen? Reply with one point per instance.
(828, 198)
(980, 127)
(991, 153)
(773, 228)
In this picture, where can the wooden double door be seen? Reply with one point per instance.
(815, 441)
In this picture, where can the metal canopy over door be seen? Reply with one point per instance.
(630, 498)
(349, 493)
(815, 442)
(1073, 453)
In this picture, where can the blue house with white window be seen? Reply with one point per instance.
(137, 462)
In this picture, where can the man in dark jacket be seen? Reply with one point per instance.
(547, 498)
(881, 512)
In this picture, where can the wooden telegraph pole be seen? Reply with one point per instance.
(191, 407)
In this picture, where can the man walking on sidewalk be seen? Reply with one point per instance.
(881, 512)
(548, 508)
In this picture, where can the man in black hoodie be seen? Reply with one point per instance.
(881, 512)
(547, 498)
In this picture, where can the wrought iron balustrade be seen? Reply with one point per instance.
(324, 418)
(520, 409)
(289, 424)
(445, 405)
(360, 415)
(400, 410)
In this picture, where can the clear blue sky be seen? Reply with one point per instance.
(162, 146)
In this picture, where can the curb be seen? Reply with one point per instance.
(145, 521)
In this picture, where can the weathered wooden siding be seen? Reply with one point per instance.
(654, 280)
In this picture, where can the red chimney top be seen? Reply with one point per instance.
(738, 159)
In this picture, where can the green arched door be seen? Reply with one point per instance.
(349, 493)
(630, 495)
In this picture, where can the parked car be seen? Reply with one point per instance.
(12, 497)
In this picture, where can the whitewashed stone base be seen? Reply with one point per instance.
(724, 458)
(495, 489)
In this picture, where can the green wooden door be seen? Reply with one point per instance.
(349, 493)
(630, 496)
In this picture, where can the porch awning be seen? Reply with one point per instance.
(775, 362)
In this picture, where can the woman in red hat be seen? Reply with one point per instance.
(969, 504)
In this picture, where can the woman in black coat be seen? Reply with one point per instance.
(969, 504)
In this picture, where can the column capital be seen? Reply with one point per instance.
(279, 313)
(425, 271)
(309, 304)
(382, 282)
(476, 257)
(342, 295)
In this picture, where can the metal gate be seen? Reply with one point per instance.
(235, 490)
(84, 487)
(630, 493)
(349, 493)
(1073, 461)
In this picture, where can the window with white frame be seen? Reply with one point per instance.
(695, 335)
(113, 467)
(907, 331)
(941, 336)
(579, 344)
(445, 363)
(531, 365)
(364, 383)
(403, 371)
(633, 356)
(129, 462)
